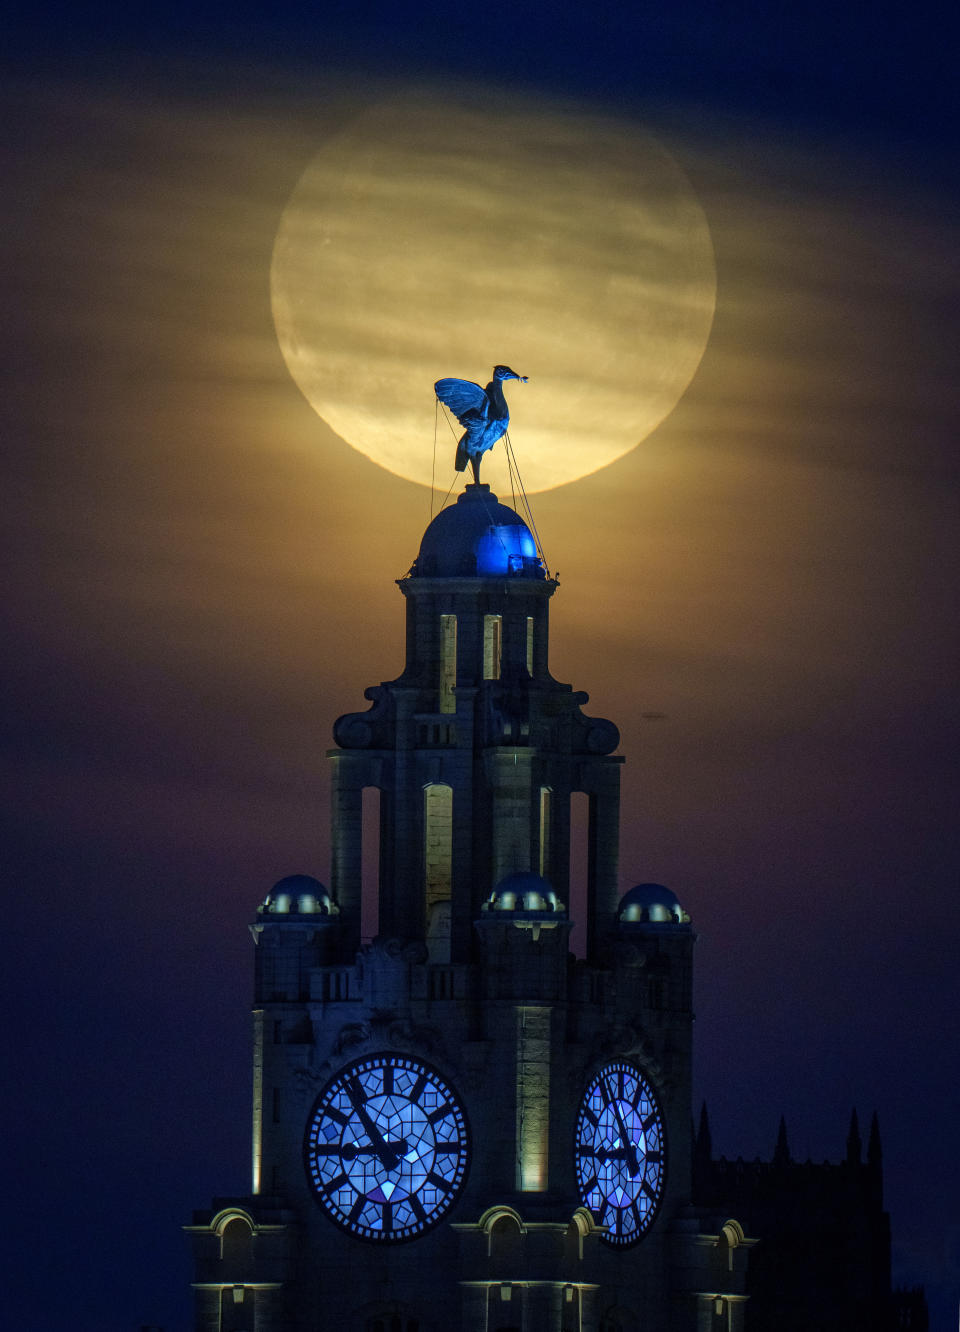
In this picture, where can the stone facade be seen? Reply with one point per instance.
(475, 751)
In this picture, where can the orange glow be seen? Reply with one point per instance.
(413, 248)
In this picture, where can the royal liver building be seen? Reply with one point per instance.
(457, 1124)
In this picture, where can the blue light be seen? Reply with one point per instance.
(505, 550)
(620, 1152)
(380, 1155)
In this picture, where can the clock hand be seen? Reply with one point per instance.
(352, 1150)
(387, 1158)
(615, 1154)
(630, 1155)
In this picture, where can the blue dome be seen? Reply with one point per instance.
(300, 895)
(651, 904)
(478, 537)
(524, 891)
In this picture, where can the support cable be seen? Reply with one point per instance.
(433, 467)
(516, 483)
(526, 503)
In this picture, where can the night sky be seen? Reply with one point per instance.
(200, 579)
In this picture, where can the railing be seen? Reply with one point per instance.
(335, 984)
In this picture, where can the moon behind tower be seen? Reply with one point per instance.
(432, 239)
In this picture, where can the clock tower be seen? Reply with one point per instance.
(456, 1123)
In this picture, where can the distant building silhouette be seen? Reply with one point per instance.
(823, 1259)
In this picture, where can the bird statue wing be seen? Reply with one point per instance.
(462, 397)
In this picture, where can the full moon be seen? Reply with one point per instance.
(433, 239)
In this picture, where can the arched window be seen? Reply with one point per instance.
(236, 1241)
(506, 1246)
(572, 1246)
(730, 1238)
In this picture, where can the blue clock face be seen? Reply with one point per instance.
(620, 1152)
(386, 1148)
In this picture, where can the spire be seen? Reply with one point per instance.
(702, 1156)
(781, 1153)
(875, 1163)
(874, 1150)
(703, 1141)
(853, 1140)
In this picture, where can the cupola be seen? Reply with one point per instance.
(478, 537)
(298, 895)
(525, 896)
(651, 904)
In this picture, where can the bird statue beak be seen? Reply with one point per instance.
(522, 378)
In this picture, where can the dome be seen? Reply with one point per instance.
(300, 895)
(651, 904)
(478, 537)
(524, 891)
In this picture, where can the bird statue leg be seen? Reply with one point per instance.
(482, 411)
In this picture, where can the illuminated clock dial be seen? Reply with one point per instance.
(386, 1148)
(620, 1152)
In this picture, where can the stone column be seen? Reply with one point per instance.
(346, 829)
(533, 1099)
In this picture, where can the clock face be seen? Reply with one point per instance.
(620, 1152)
(386, 1148)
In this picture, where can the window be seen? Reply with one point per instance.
(448, 664)
(545, 802)
(437, 842)
(529, 644)
(236, 1241)
(492, 633)
(506, 1247)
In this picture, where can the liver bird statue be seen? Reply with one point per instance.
(482, 412)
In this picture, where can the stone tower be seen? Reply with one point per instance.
(456, 1124)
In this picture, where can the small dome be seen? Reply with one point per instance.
(478, 537)
(299, 895)
(651, 904)
(524, 891)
